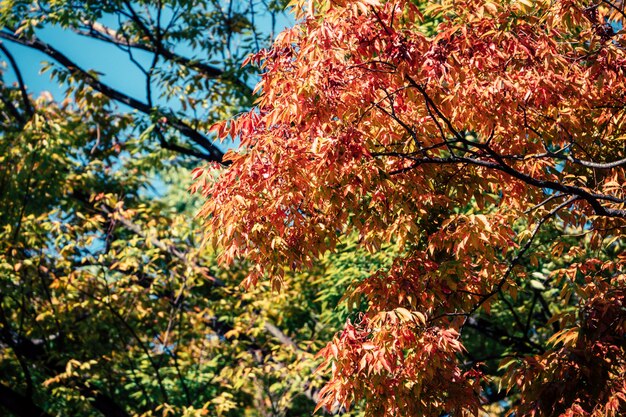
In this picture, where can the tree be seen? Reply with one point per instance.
(109, 306)
(485, 140)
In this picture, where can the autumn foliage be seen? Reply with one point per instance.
(487, 141)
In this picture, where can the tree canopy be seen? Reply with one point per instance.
(485, 142)
(427, 206)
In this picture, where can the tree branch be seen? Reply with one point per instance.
(20, 81)
(96, 30)
(214, 154)
(500, 165)
(591, 198)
